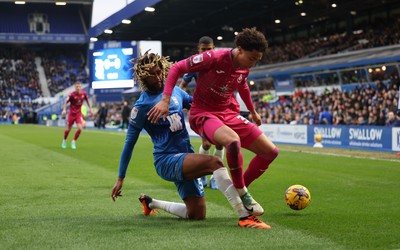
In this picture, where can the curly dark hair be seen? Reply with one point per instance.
(251, 39)
(144, 64)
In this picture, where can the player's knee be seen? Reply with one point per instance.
(269, 157)
(197, 216)
(197, 213)
(206, 145)
(274, 153)
(216, 163)
(233, 148)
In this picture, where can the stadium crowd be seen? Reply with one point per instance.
(366, 104)
(382, 32)
(63, 70)
(18, 112)
(18, 75)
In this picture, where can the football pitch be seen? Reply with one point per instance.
(53, 198)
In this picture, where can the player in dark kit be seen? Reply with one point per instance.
(75, 99)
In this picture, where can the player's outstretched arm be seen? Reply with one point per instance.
(90, 107)
(116, 191)
(159, 110)
(64, 111)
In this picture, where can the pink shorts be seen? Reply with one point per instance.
(247, 131)
(74, 118)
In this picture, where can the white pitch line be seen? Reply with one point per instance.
(341, 155)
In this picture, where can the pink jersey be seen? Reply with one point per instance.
(76, 101)
(217, 81)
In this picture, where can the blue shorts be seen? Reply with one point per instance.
(169, 167)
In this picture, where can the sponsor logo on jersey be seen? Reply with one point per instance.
(223, 89)
(220, 71)
(197, 59)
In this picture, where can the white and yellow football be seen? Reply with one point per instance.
(297, 197)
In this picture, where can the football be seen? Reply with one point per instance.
(297, 197)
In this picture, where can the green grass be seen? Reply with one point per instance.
(60, 199)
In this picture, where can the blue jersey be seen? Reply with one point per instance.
(168, 137)
(325, 115)
(189, 76)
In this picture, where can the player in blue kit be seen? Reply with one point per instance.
(174, 158)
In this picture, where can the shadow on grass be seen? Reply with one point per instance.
(290, 215)
(168, 222)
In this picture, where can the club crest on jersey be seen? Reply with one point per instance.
(134, 113)
(197, 59)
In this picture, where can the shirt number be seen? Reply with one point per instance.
(245, 121)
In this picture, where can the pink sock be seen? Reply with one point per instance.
(234, 158)
(78, 132)
(66, 132)
(258, 165)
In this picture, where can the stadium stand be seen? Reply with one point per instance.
(21, 81)
(63, 69)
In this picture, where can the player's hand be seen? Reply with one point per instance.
(91, 112)
(116, 191)
(63, 113)
(159, 110)
(182, 86)
(256, 118)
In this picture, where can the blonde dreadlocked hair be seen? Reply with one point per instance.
(144, 63)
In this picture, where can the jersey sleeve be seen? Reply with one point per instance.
(195, 63)
(244, 92)
(69, 98)
(136, 124)
(86, 97)
(186, 98)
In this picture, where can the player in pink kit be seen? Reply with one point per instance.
(221, 73)
(75, 99)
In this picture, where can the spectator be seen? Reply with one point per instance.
(325, 117)
(392, 120)
(126, 110)
(102, 116)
